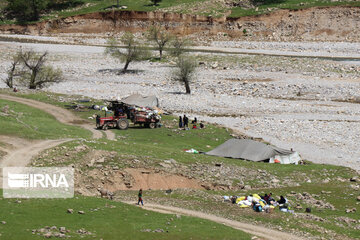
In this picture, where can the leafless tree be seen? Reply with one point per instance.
(185, 71)
(133, 51)
(160, 36)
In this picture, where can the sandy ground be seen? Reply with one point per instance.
(303, 105)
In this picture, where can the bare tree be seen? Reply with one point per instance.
(36, 74)
(133, 51)
(178, 46)
(9, 81)
(185, 71)
(160, 36)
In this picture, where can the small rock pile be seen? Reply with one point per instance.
(309, 199)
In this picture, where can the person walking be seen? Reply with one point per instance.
(140, 198)
(186, 121)
(180, 122)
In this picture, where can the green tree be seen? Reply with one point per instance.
(185, 71)
(12, 71)
(160, 36)
(155, 2)
(36, 74)
(26, 10)
(178, 46)
(133, 51)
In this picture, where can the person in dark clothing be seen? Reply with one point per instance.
(180, 122)
(265, 197)
(140, 197)
(282, 200)
(194, 121)
(186, 121)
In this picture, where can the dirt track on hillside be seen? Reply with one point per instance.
(62, 115)
(20, 151)
(259, 231)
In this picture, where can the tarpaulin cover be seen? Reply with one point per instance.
(141, 101)
(248, 150)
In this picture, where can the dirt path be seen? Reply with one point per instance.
(20, 151)
(259, 231)
(62, 115)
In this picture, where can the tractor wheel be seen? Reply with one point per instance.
(146, 125)
(152, 125)
(122, 124)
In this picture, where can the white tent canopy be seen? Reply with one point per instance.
(141, 101)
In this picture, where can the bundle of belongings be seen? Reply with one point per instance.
(146, 112)
(260, 203)
(254, 151)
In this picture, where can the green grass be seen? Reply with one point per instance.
(288, 4)
(152, 146)
(26, 122)
(187, 6)
(111, 220)
(61, 100)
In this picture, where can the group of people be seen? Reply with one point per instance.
(260, 203)
(184, 123)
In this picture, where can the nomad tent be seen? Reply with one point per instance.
(141, 101)
(254, 151)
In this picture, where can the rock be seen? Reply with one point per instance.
(101, 160)
(350, 210)
(70, 210)
(214, 65)
(354, 179)
(358, 198)
(207, 186)
(146, 230)
(48, 235)
(3, 222)
(274, 180)
(298, 207)
(159, 230)
(62, 229)
(5, 109)
(247, 187)
(53, 228)
(81, 212)
(115, 168)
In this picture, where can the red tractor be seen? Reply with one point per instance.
(122, 112)
(119, 122)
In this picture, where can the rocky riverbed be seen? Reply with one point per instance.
(308, 104)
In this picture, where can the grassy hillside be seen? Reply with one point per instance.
(201, 7)
(26, 122)
(104, 219)
(327, 186)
